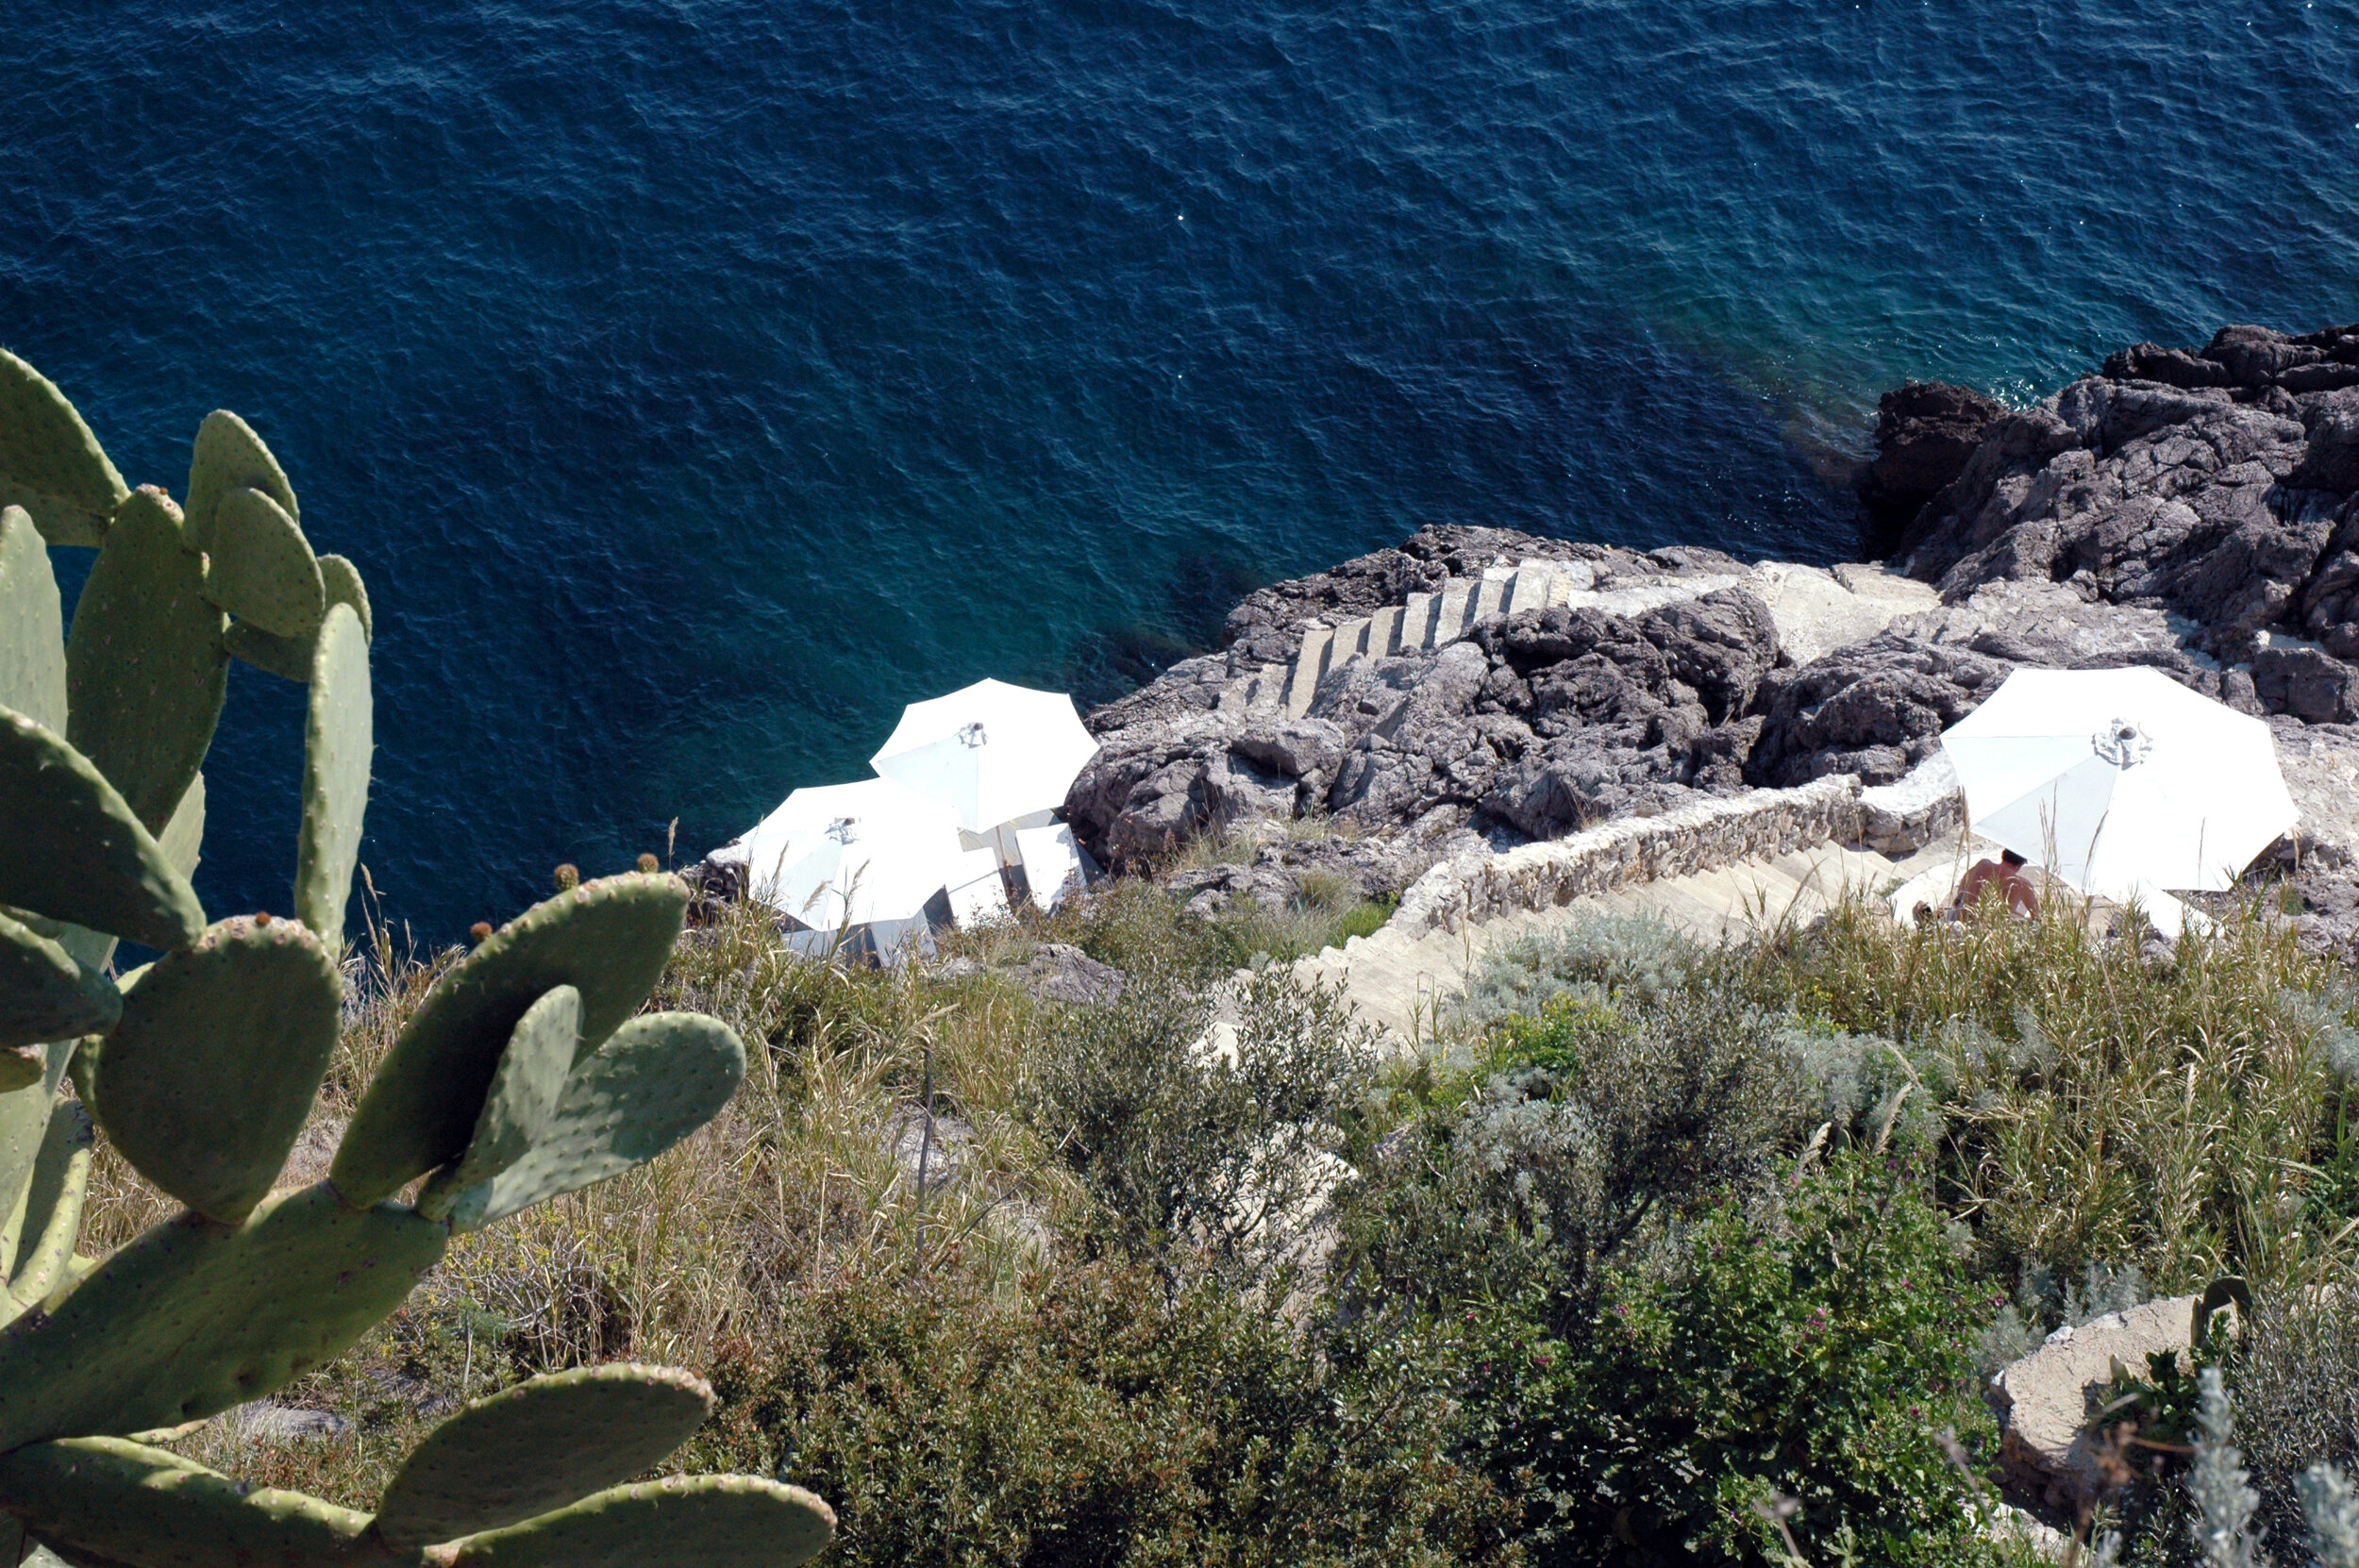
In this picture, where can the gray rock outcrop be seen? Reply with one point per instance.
(2217, 485)
(1877, 708)
(2047, 1457)
(1925, 433)
(1533, 724)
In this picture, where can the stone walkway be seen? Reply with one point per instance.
(1815, 609)
(1403, 984)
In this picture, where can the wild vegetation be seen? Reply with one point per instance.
(1668, 1254)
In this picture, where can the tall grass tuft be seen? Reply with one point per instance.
(2103, 1107)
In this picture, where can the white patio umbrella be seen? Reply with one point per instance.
(992, 752)
(2121, 782)
(872, 854)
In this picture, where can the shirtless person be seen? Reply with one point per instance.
(2006, 874)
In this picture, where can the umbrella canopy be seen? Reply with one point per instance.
(843, 854)
(991, 752)
(2120, 781)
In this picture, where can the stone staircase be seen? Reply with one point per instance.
(1814, 607)
(1405, 984)
(1404, 977)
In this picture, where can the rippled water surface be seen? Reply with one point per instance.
(697, 383)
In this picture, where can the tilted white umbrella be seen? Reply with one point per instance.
(2120, 782)
(992, 752)
(834, 856)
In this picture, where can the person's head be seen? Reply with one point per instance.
(2009, 857)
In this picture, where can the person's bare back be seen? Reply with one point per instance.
(2004, 875)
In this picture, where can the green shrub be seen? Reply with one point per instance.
(1812, 1350)
(1364, 919)
(1100, 1419)
(1606, 1119)
(1197, 1156)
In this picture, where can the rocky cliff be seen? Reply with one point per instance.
(2189, 509)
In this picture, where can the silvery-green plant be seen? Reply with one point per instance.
(527, 1072)
(2224, 1499)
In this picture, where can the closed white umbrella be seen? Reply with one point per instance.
(840, 855)
(992, 752)
(2121, 782)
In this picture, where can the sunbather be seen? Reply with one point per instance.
(2004, 875)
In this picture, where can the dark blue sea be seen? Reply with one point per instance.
(698, 382)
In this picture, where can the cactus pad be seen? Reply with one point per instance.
(44, 994)
(229, 456)
(50, 464)
(38, 1241)
(540, 1445)
(337, 743)
(521, 1106)
(205, 1082)
(32, 630)
(341, 579)
(660, 1078)
(608, 939)
(145, 669)
(105, 1500)
(193, 1317)
(282, 657)
(71, 849)
(682, 1522)
(23, 1123)
(260, 568)
(183, 837)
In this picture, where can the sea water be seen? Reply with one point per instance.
(696, 383)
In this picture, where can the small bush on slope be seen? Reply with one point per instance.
(1200, 1159)
(1608, 1118)
(1100, 1420)
(2188, 1118)
(1813, 1349)
(2296, 1372)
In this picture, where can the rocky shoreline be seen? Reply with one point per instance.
(2192, 510)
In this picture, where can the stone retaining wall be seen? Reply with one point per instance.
(1481, 884)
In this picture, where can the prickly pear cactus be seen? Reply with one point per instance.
(527, 1072)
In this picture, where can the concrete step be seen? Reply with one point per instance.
(1530, 587)
(1490, 597)
(1302, 681)
(1572, 577)
(1431, 620)
(1451, 624)
(1417, 622)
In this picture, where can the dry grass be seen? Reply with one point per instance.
(796, 1185)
